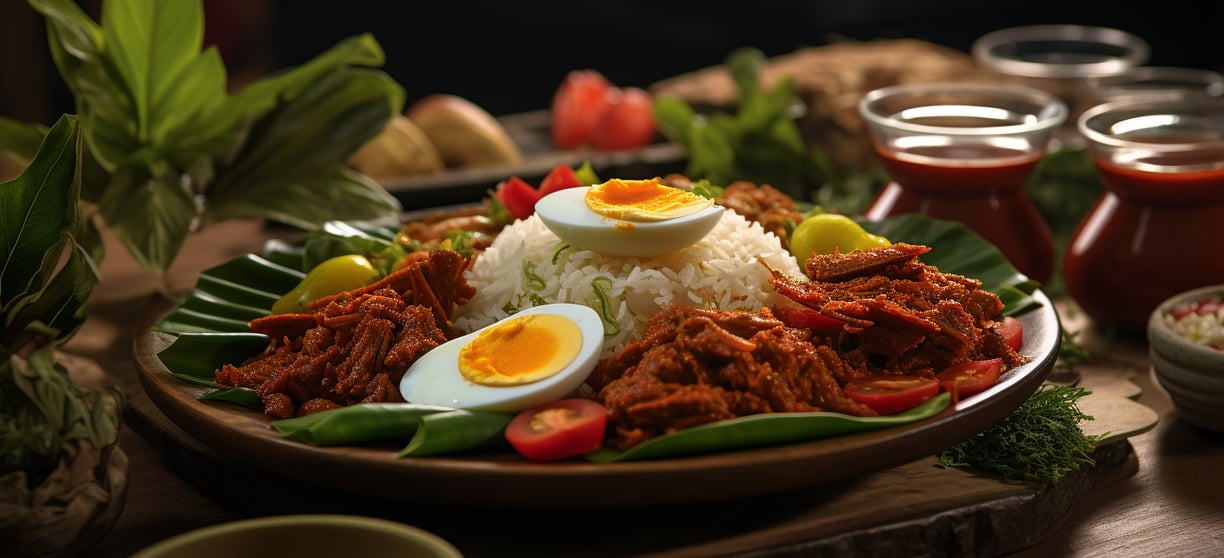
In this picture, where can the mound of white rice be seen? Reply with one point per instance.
(527, 265)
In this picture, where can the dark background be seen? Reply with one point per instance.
(509, 56)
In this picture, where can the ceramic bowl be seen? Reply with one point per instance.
(1191, 372)
(304, 536)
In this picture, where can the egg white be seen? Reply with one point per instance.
(566, 214)
(434, 379)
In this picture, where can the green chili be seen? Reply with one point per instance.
(455, 431)
(355, 424)
(533, 281)
(602, 285)
(561, 247)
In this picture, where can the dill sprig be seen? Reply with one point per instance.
(1040, 441)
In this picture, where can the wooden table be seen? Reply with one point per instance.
(1164, 498)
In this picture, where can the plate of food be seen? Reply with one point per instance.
(725, 368)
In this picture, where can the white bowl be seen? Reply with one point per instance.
(1191, 373)
(304, 536)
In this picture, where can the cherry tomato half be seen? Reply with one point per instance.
(560, 177)
(628, 122)
(1012, 331)
(577, 106)
(968, 378)
(806, 318)
(557, 430)
(518, 196)
(889, 396)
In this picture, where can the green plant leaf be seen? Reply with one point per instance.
(151, 215)
(20, 139)
(76, 44)
(308, 202)
(37, 210)
(300, 143)
(151, 43)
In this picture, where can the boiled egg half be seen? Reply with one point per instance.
(535, 356)
(637, 218)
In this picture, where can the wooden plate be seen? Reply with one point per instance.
(506, 481)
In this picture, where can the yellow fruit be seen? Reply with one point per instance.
(825, 232)
(402, 149)
(464, 134)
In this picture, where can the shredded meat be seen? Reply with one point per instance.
(355, 346)
(901, 316)
(771, 208)
(695, 366)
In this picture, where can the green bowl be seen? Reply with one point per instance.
(304, 536)
(1192, 374)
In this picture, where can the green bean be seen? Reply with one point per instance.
(355, 424)
(455, 431)
(768, 429)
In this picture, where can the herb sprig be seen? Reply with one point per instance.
(1040, 441)
(760, 142)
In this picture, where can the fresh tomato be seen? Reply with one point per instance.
(560, 177)
(1012, 331)
(557, 430)
(628, 122)
(517, 196)
(806, 318)
(889, 396)
(968, 378)
(577, 106)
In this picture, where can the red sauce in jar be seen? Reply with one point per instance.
(1150, 236)
(978, 184)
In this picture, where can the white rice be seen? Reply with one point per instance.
(526, 266)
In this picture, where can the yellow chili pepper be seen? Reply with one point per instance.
(332, 276)
(822, 233)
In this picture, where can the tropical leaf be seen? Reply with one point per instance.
(37, 211)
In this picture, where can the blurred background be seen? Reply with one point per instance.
(509, 57)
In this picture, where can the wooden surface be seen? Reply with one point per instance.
(1158, 494)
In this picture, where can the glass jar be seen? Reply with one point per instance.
(962, 152)
(1062, 59)
(1158, 228)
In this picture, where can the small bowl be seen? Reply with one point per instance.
(1159, 81)
(1192, 373)
(304, 536)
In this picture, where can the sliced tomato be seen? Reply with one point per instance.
(968, 378)
(1012, 331)
(806, 318)
(557, 430)
(560, 177)
(577, 106)
(628, 122)
(517, 196)
(889, 396)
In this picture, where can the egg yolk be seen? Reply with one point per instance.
(643, 200)
(520, 350)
